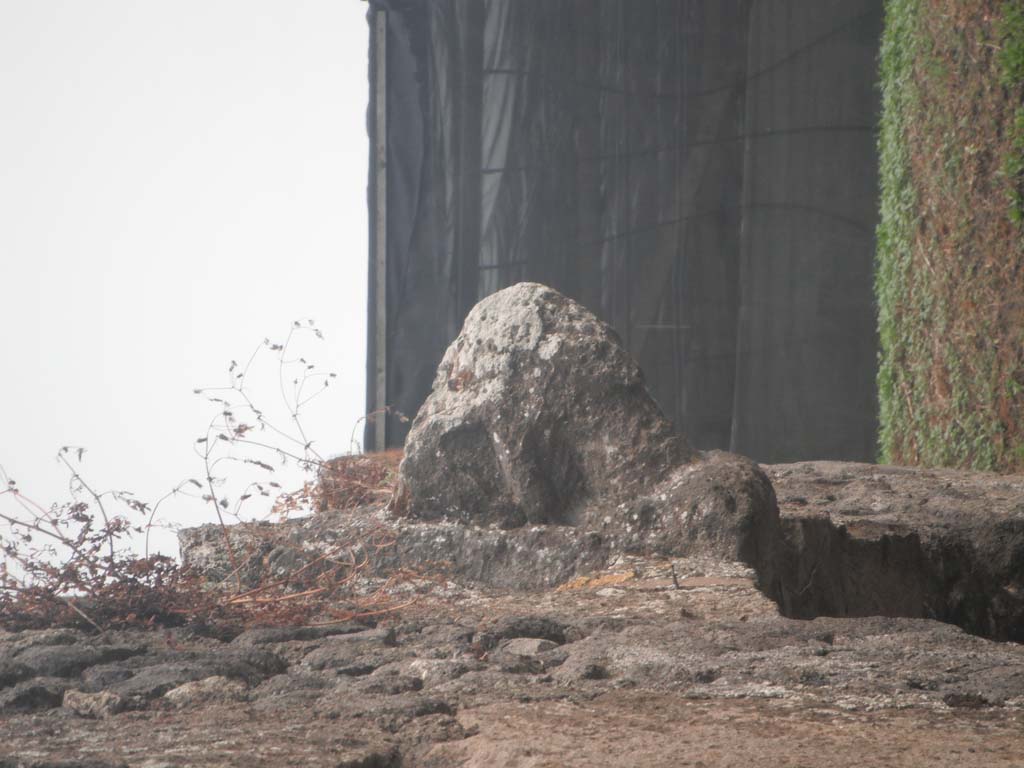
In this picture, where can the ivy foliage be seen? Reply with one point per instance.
(950, 260)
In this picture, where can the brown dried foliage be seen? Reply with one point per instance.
(74, 580)
(71, 564)
(347, 482)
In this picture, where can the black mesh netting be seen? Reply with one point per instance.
(701, 174)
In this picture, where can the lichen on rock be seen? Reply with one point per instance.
(536, 410)
(539, 416)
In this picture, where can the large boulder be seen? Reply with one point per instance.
(536, 411)
(539, 417)
(539, 456)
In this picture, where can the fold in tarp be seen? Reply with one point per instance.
(702, 175)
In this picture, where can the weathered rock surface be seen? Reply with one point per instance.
(631, 644)
(587, 580)
(853, 540)
(719, 504)
(685, 648)
(864, 540)
(536, 414)
(205, 691)
(102, 704)
(540, 423)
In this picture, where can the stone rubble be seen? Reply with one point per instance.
(436, 685)
(586, 590)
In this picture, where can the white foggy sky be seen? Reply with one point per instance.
(178, 180)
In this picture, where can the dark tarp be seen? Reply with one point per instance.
(700, 173)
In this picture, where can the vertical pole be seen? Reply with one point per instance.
(470, 104)
(738, 433)
(381, 255)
